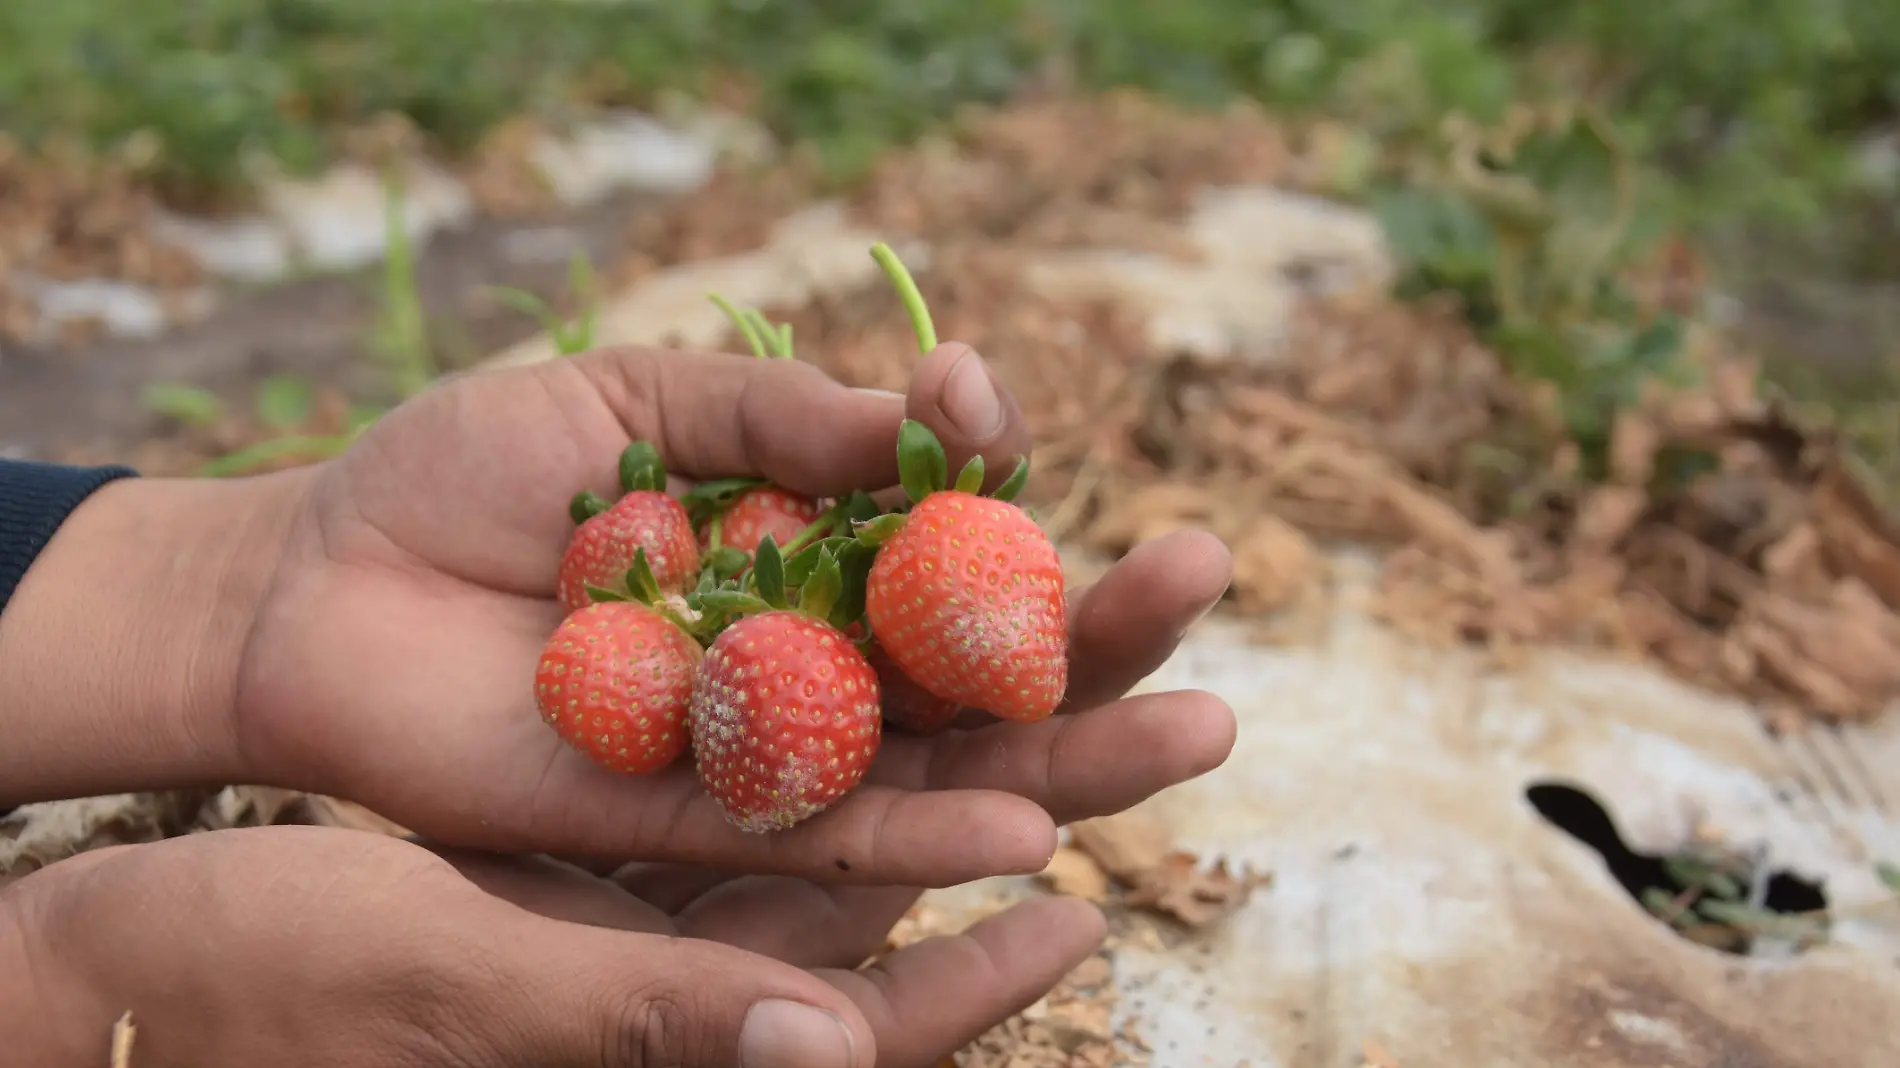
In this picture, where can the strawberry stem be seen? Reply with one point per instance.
(908, 293)
(586, 505)
(641, 469)
(921, 465)
(742, 323)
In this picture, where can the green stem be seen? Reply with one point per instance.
(823, 523)
(908, 293)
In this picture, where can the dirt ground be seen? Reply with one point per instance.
(55, 398)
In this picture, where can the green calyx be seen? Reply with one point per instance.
(639, 586)
(766, 341)
(641, 469)
(709, 500)
(586, 505)
(824, 580)
(923, 468)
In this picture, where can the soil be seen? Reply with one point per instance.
(55, 399)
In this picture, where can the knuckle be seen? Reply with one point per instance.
(657, 1028)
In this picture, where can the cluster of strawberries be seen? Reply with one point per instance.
(775, 634)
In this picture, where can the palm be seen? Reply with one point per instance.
(394, 664)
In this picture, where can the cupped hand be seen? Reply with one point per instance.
(392, 660)
(303, 946)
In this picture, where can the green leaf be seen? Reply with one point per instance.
(768, 573)
(602, 595)
(1889, 875)
(641, 469)
(1665, 907)
(524, 302)
(970, 479)
(732, 603)
(879, 530)
(297, 445)
(1013, 485)
(819, 595)
(191, 405)
(586, 505)
(709, 499)
(640, 580)
(1696, 873)
(921, 464)
(860, 507)
(800, 565)
(726, 561)
(854, 569)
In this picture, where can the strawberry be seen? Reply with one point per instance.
(615, 681)
(966, 594)
(906, 704)
(738, 513)
(785, 713)
(645, 518)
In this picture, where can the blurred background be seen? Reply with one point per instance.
(1596, 299)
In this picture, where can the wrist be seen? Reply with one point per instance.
(119, 650)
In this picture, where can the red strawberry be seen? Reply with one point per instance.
(603, 544)
(764, 510)
(785, 719)
(966, 594)
(906, 704)
(615, 681)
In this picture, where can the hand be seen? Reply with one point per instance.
(297, 946)
(392, 656)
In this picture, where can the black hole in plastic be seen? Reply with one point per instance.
(1649, 878)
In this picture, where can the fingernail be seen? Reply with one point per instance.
(970, 400)
(877, 392)
(785, 1034)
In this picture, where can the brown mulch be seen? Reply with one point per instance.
(1774, 576)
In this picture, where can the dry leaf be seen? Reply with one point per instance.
(1127, 845)
(1181, 888)
(1274, 565)
(1076, 874)
(1861, 537)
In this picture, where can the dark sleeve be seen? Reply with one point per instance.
(35, 498)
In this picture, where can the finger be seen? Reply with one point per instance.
(953, 392)
(875, 834)
(797, 921)
(1126, 625)
(668, 887)
(543, 992)
(559, 891)
(935, 997)
(719, 416)
(1073, 767)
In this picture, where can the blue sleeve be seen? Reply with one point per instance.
(35, 498)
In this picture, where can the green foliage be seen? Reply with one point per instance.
(1749, 97)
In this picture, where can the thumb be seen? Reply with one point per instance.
(598, 998)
